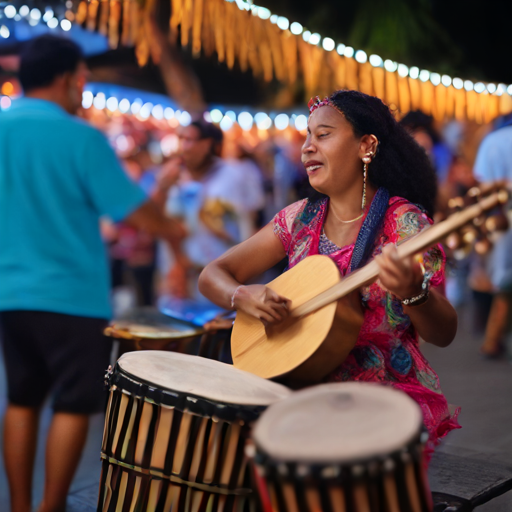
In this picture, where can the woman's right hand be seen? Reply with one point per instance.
(260, 301)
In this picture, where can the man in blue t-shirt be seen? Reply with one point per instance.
(58, 176)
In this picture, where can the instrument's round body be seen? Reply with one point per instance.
(345, 447)
(278, 350)
(175, 432)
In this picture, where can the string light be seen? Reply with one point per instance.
(458, 83)
(414, 72)
(35, 16)
(10, 11)
(375, 60)
(226, 120)
(216, 115)
(296, 28)
(314, 39)
(328, 44)
(4, 32)
(124, 106)
(390, 65)
(403, 70)
(283, 23)
(361, 56)
(435, 78)
(349, 52)
(446, 80)
(282, 121)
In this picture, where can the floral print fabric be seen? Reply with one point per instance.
(387, 349)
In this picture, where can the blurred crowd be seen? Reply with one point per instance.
(225, 185)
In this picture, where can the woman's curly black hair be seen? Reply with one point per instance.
(400, 164)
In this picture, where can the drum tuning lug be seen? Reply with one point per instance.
(108, 376)
(330, 472)
(302, 470)
(389, 465)
(250, 450)
(358, 471)
(282, 469)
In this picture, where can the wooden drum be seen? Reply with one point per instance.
(147, 328)
(175, 432)
(346, 447)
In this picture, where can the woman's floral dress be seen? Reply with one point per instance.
(387, 348)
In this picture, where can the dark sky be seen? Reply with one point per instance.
(481, 31)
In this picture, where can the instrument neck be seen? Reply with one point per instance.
(422, 241)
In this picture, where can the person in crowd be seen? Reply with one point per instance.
(494, 162)
(421, 127)
(375, 188)
(58, 176)
(132, 251)
(216, 199)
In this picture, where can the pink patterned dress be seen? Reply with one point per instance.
(387, 349)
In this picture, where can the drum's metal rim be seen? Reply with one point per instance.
(195, 404)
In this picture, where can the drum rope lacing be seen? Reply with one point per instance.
(177, 480)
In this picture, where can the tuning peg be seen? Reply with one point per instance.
(503, 195)
(474, 192)
(456, 203)
(478, 221)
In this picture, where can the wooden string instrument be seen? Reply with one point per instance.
(313, 341)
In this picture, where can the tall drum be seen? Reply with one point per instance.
(346, 447)
(175, 433)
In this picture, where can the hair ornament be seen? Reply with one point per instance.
(316, 102)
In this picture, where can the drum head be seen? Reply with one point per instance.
(201, 377)
(149, 323)
(336, 423)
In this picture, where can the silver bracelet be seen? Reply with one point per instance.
(417, 300)
(233, 297)
(422, 297)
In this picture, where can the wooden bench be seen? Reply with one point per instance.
(460, 480)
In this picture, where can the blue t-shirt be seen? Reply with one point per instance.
(58, 176)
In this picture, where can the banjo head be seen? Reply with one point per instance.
(338, 423)
(278, 350)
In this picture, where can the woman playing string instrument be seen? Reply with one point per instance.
(376, 189)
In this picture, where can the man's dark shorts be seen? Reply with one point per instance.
(52, 352)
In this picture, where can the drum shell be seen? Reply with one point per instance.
(192, 446)
(396, 483)
(188, 338)
(125, 490)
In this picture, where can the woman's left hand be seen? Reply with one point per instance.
(401, 277)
